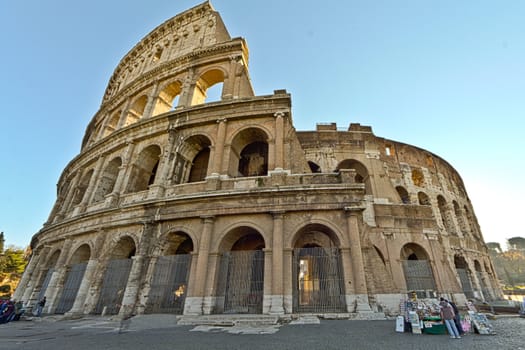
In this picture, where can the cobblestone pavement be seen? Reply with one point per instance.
(159, 333)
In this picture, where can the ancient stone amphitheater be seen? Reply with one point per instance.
(180, 205)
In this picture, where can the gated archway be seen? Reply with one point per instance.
(317, 272)
(74, 276)
(169, 283)
(464, 276)
(116, 277)
(46, 275)
(241, 273)
(418, 271)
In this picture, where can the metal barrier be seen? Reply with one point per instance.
(318, 280)
(113, 286)
(169, 284)
(70, 289)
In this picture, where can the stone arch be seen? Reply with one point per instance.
(459, 217)
(362, 174)
(144, 169)
(81, 188)
(108, 179)
(423, 198)
(317, 273)
(73, 278)
(45, 277)
(169, 282)
(249, 153)
(419, 277)
(240, 279)
(136, 110)
(80, 254)
(116, 275)
(206, 80)
(464, 274)
(470, 221)
(197, 150)
(112, 123)
(168, 98)
(403, 194)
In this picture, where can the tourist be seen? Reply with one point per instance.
(457, 317)
(40, 307)
(447, 315)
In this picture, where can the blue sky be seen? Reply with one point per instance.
(446, 76)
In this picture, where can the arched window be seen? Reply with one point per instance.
(136, 110)
(107, 180)
(144, 169)
(403, 194)
(361, 172)
(168, 98)
(423, 198)
(314, 167)
(249, 156)
(206, 81)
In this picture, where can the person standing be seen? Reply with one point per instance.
(457, 317)
(447, 315)
(40, 307)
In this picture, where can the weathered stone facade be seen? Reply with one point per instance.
(180, 205)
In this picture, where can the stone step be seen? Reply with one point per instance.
(228, 320)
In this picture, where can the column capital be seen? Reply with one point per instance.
(353, 208)
(277, 214)
(207, 218)
(280, 114)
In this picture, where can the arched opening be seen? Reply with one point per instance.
(168, 98)
(82, 186)
(361, 176)
(249, 156)
(144, 169)
(317, 273)
(107, 180)
(418, 271)
(423, 198)
(169, 282)
(459, 217)
(191, 162)
(464, 276)
(50, 267)
(112, 124)
(74, 276)
(241, 273)
(136, 110)
(205, 82)
(314, 168)
(116, 277)
(403, 195)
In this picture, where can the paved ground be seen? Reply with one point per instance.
(160, 332)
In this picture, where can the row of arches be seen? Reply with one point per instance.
(317, 270)
(462, 216)
(165, 97)
(190, 160)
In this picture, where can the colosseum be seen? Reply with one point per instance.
(177, 204)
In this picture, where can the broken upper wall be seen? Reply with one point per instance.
(172, 68)
(196, 28)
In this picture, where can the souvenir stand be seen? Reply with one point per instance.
(422, 316)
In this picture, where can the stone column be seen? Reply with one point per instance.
(28, 274)
(287, 280)
(78, 305)
(279, 140)
(196, 300)
(353, 213)
(56, 283)
(69, 197)
(93, 183)
(216, 168)
(348, 278)
(124, 113)
(276, 303)
(35, 275)
(152, 101)
(158, 188)
(121, 181)
(135, 275)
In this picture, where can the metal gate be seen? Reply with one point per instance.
(419, 277)
(465, 282)
(169, 284)
(318, 280)
(241, 282)
(70, 289)
(43, 287)
(113, 286)
(483, 285)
